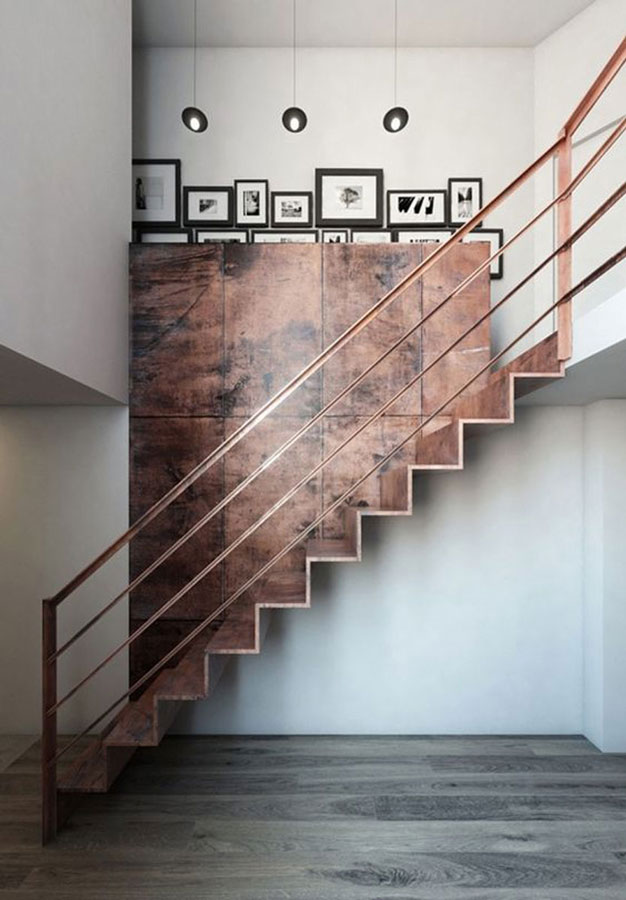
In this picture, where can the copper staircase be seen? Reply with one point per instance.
(190, 669)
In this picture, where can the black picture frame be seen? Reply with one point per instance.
(328, 231)
(222, 235)
(144, 232)
(145, 221)
(242, 220)
(373, 233)
(496, 269)
(359, 222)
(281, 223)
(206, 224)
(455, 222)
(421, 234)
(426, 223)
(298, 234)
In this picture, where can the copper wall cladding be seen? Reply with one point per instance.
(216, 331)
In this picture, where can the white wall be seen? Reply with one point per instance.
(605, 574)
(63, 498)
(566, 64)
(65, 76)
(472, 114)
(465, 618)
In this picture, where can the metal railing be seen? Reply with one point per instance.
(567, 184)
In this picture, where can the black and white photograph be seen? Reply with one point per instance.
(164, 235)
(349, 197)
(335, 236)
(422, 236)
(416, 207)
(236, 236)
(251, 203)
(208, 206)
(284, 237)
(291, 209)
(373, 236)
(465, 198)
(156, 192)
(495, 238)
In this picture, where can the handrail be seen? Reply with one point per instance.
(596, 90)
(285, 392)
(269, 461)
(246, 533)
(582, 285)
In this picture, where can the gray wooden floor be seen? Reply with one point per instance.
(331, 818)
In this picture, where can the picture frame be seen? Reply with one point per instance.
(273, 236)
(495, 237)
(351, 198)
(413, 208)
(164, 235)
(422, 235)
(465, 199)
(251, 203)
(208, 206)
(155, 192)
(371, 236)
(210, 236)
(292, 209)
(335, 236)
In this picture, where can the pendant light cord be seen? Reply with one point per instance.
(395, 53)
(195, 42)
(294, 52)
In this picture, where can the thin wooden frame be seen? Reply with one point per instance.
(405, 223)
(347, 221)
(306, 222)
(206, 224)
(156, 223)
(243, 221)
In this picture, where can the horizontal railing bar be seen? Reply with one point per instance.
(589, 165)
(597, 89)
(285, 392)
(585, 282)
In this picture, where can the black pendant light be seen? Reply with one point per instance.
(294, 118)
(397, 117)
(192, 116)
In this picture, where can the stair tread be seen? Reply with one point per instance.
(329, 549)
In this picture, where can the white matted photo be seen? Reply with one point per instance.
(495, 239)
(416, 207)
(239, 236)
(335, 236)
(208, 206)
(349, 197)
(164, 235)
(465, 199)
(156, 192)
(284, 237)
(423, 236)
(251, 203)
(371, 237)
(291, 209)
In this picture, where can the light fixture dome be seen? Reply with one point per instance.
(395, 119)
(194, 119)
(294, 119)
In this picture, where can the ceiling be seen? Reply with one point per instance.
(351, 23)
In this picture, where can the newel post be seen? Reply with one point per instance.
(49, 724)
(564, 259)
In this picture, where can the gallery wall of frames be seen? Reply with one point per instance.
(348, 206)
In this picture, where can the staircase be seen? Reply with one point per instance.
(470, 398)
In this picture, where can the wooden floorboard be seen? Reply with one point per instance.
(331, 818)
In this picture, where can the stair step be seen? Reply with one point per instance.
(331, 550)
(536, 367)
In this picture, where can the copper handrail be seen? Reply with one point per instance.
(584, 283)
(596, 90)
(271, 459)
(241, 538)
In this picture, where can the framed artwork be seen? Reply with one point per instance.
(164, 235)
(222, 237)
(291, 209)
(371, 236)
(156, 192)
(336, 236)
(465, 198)
(412, 208)
(284, 237)
(349, 198)
(423, 236)
(208, 206)
(251, 203)
(495, 238)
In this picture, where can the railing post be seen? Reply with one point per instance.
(564, 259)
(49, 724)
